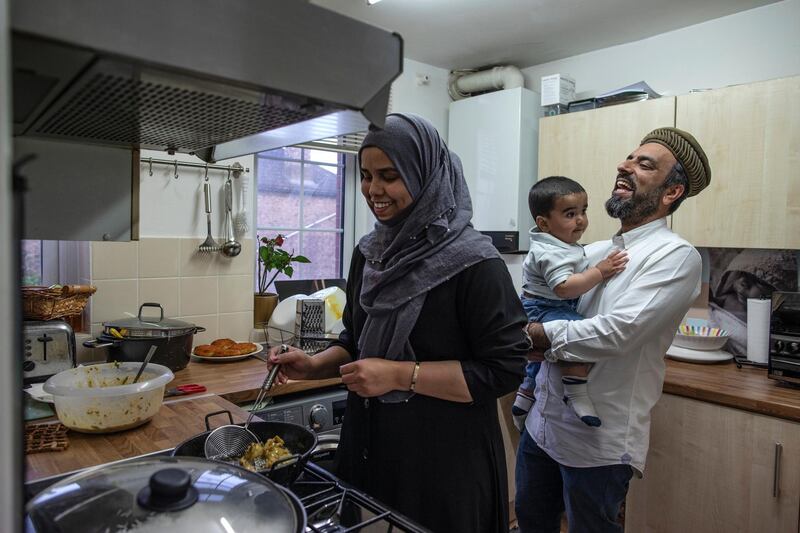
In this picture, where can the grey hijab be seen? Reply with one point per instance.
(429, 243)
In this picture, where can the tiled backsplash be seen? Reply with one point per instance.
(209, 290)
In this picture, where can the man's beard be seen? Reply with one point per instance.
(638, 207)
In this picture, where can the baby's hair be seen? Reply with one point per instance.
(544, 193)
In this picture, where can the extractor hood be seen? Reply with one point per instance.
(217, 78)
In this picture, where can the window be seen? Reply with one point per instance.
(40, 262)
(301, 195)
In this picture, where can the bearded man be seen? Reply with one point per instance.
(563, 464)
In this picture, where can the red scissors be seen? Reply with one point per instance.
(181, 390)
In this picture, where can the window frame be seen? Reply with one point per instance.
(349, 191)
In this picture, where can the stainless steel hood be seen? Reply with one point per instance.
(217, 78)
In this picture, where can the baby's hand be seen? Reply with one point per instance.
(613, 264)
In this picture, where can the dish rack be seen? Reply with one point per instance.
(49, 303)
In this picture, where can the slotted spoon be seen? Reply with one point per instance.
(230, 442)
(209, 245)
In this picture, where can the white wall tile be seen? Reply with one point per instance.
(158, 258)
(210, 322)
(198, 296)
(114, 298)
(192, 262)
(236, 326)
(163, 291)
(235, 294)
(244, 263)
(115, 260)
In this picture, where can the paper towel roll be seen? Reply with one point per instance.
(758, 312)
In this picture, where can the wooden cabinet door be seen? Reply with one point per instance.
(587, 146)
(751, 134)
(712, 469)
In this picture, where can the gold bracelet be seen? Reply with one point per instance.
(414, 377)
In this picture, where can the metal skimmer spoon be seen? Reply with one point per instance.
(232, 441)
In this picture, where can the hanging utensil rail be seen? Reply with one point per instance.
(234, 170)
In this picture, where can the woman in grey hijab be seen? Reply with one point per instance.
(433, 336)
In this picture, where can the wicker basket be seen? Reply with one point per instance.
(44, 303)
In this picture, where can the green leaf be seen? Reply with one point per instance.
(288, 270)
(301, 259)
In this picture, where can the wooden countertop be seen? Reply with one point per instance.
(176, 421)
(239, 381)
(747, 388)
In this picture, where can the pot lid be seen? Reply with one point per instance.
(156, 324)
(166, 494)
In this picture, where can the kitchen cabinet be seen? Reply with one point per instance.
(587, 146)
(712, 468)
(751, 134)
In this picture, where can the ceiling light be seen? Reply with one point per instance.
(372, 2)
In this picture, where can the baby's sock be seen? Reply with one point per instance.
(522, 404)
(576, 395)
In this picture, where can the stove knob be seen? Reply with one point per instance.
(28, 366)
(794, 347)
(779, 345)
(317, 417)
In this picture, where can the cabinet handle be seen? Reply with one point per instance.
(776, 473)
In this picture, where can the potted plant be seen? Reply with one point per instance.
(272, 260)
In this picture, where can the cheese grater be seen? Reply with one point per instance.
(309, 325)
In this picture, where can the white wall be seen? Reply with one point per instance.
(170, 207)
(428, 99)
(754, 45)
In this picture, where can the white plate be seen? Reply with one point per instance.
(37, 393)
(229, 358)
(698, 356)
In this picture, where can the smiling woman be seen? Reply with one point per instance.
(382, 185)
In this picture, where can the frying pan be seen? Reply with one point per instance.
(298, 439)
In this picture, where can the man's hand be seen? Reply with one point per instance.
(613, 264)
(539, 341)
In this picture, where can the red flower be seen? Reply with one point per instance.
(279, 240)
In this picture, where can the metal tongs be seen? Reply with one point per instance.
(231, 441)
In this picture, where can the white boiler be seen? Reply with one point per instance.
(496, 136)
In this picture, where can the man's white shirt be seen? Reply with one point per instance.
(631, 320)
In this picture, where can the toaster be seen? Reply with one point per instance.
(48, 348)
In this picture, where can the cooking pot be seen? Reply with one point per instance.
(129, 339)
(159, 494)
(299, 440)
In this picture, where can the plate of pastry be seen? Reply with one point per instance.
(226, 351)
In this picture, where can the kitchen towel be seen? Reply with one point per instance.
(758, 311)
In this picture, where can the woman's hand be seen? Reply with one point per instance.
(295, 364)
(373, 376)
